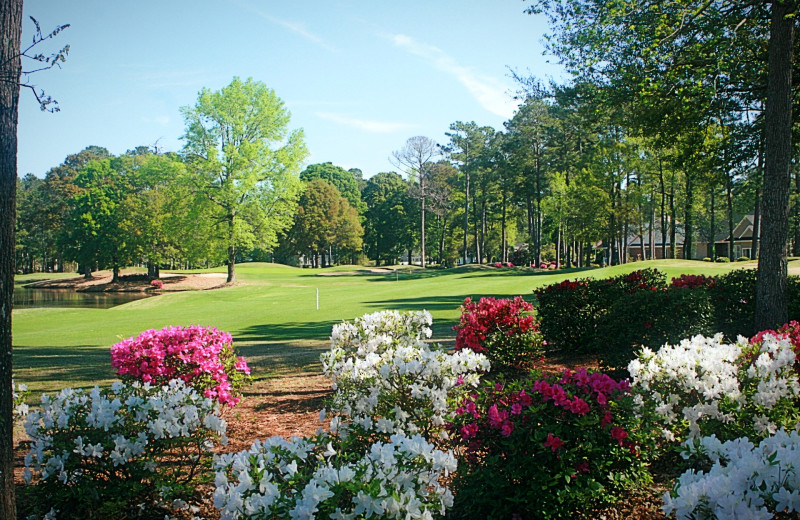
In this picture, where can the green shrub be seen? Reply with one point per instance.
(652, 318)
(706, 259)
(723, 259)
(743, 259)
(793, 288)
(571, 311)
(568, 313)
(734, 297)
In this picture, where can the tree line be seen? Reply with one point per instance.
(569, 179)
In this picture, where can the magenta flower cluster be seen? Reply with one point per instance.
(576, 393)
(201, 357)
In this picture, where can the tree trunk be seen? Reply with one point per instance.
(673, 214)
(231, 251)
(466, 216)
(712, 252)
(422, 220)
(538, 231)
(796, 250)
(688, 222)
(663, 210)
(558, 247)
(475, 220)
(756, 226)
(114, 269)
(771, 294)
(10, 31)
(731, 225)
(503, 231)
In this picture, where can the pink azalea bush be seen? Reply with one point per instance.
(157, 284)
(201, 357)
(547, 446)
(504, 330)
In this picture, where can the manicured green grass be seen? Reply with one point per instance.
(272, 313)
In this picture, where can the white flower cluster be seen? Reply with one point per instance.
(387, 379)
(18, 394)
(745, 481)
(703, 380)
(300, 479)
(75, 429)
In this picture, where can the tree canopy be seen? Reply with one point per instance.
(242, 158)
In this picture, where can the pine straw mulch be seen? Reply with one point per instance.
(290, 405)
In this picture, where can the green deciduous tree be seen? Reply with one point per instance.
(93, 227)
(389, 219)
(243, 159)
(325, 221)
(345, 181)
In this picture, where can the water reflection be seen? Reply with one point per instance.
(25, 298)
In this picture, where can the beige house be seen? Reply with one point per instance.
(742, 242)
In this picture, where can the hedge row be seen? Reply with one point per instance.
(613, 317)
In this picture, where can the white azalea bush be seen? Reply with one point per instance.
(392, 397)
(388, 380)
(132, 451)
(309, 478)
(744, 481)
(703, 386)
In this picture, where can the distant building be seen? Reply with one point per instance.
(742, 241)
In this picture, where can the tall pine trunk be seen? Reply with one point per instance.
(231, 250)
(688, 221)
(771, 293)
(10, 67)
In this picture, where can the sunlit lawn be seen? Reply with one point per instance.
(272, 313)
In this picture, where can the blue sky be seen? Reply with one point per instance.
(360, 77)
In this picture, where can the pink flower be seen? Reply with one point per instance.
(193, 354)
(496, 417)
(578, 406)
(553, 442)
(516, 409)
(619, 434)
(506, 428)
(241, 365)
(469, 430)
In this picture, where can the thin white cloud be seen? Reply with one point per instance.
(489, 92)
(366, 125)
(296, 27)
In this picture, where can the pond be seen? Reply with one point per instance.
(26, 298)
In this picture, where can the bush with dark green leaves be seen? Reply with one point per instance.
(652, 318)
(734, 301)
(571, 311)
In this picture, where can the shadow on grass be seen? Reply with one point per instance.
(430, 303)
(523, 271)
(80, 365)
(269, 332)
(271, 359)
